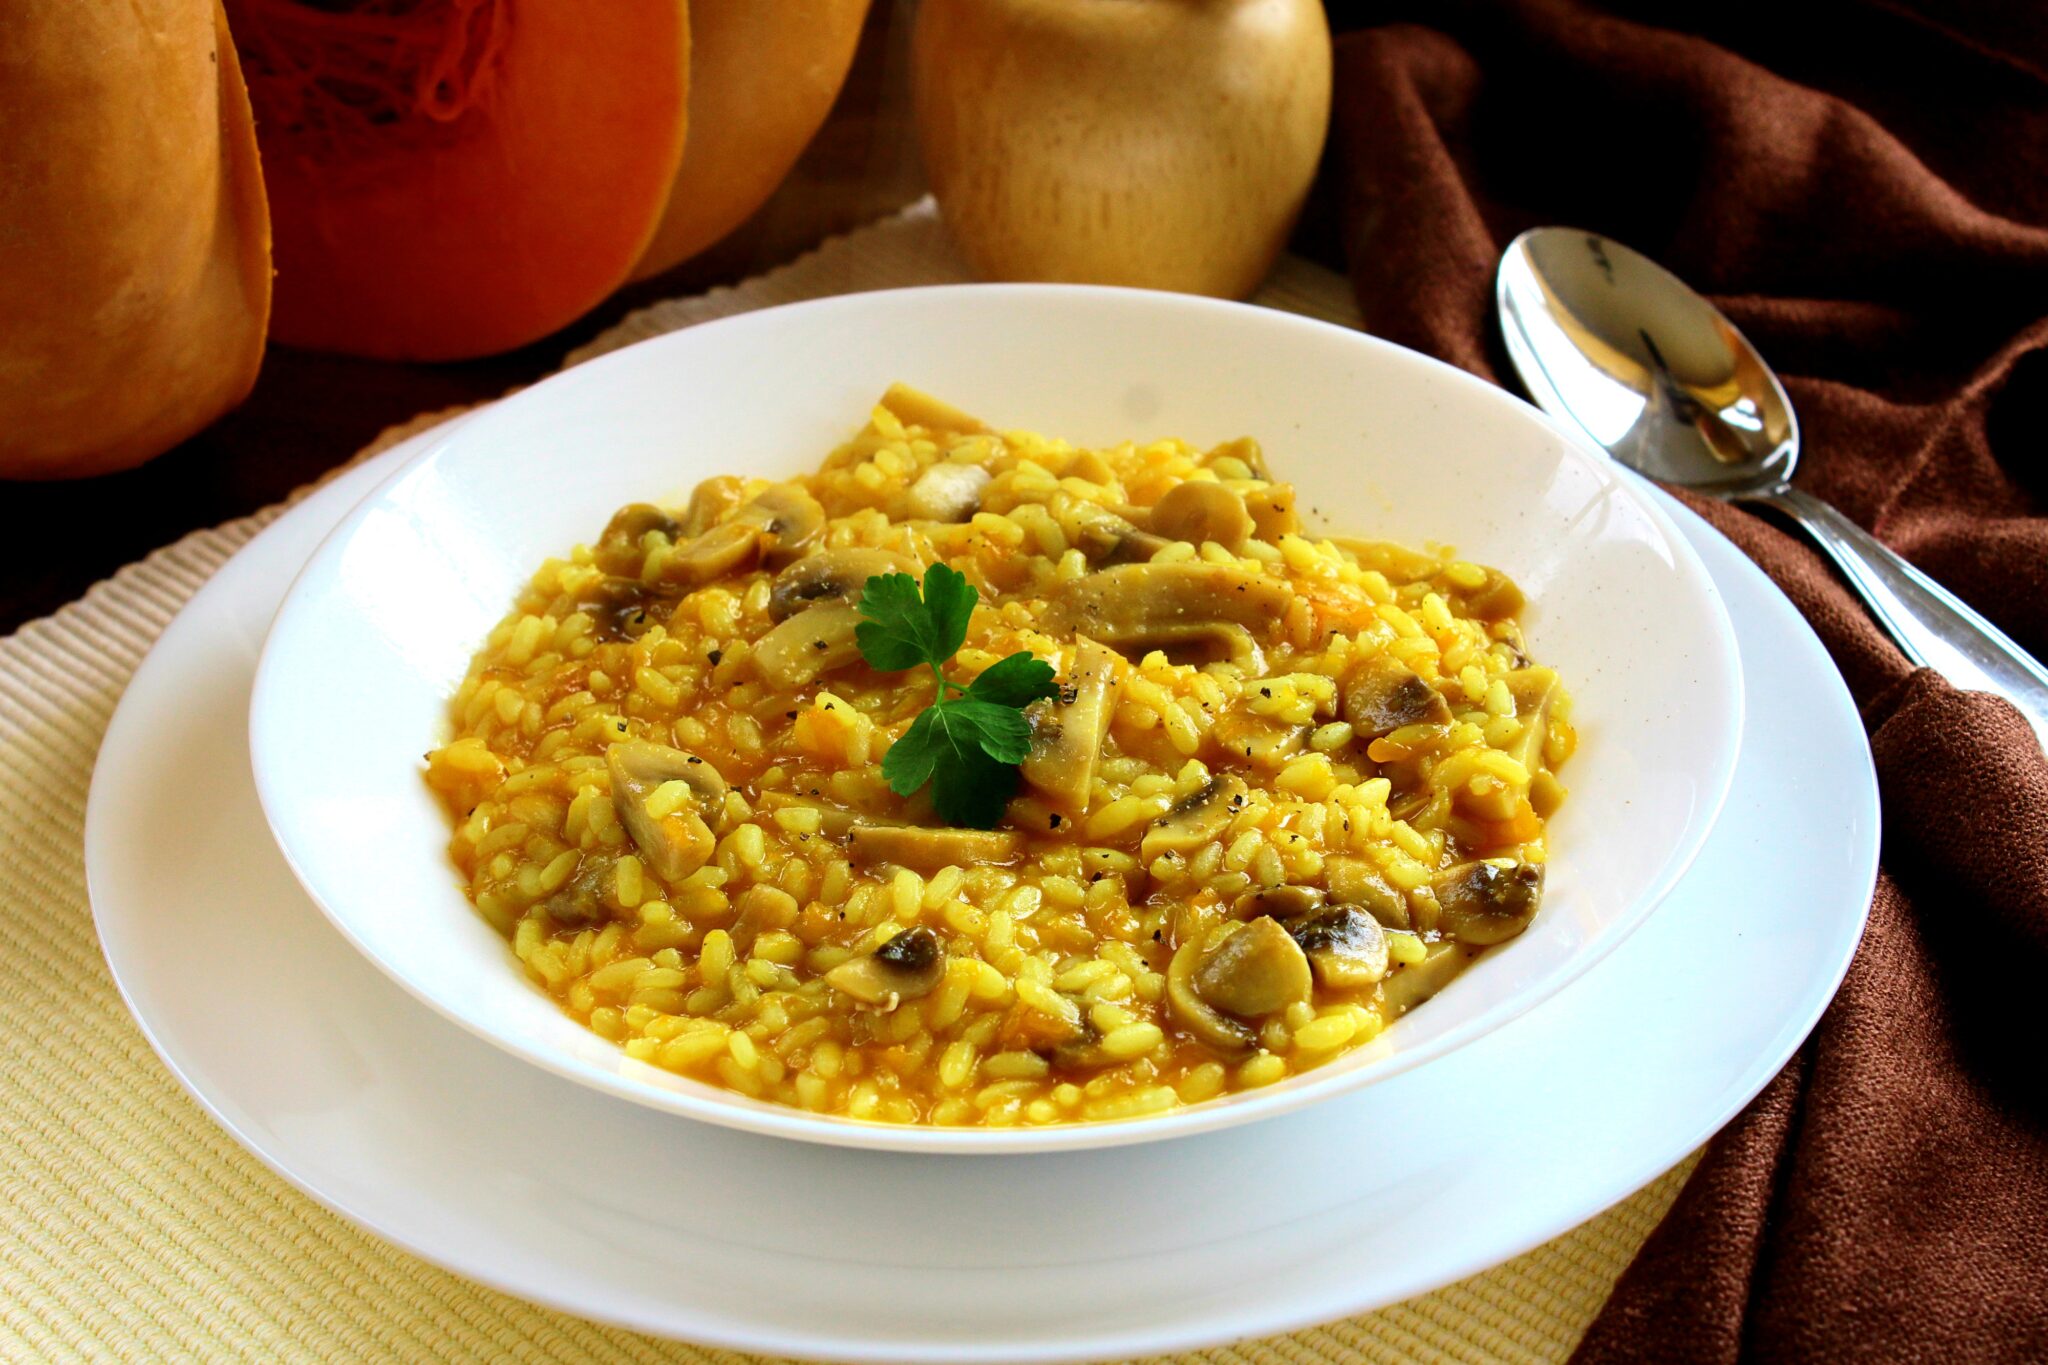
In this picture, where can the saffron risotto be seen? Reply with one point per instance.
(1290, 786)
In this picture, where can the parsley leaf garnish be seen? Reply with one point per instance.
(968, 742)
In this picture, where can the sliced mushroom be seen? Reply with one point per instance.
(790, 519)
(1284, 903)
(579, 902)
(1272, 510)
(1148, 606)
(946, 491)
(1196, 1017)
(1257, 971)
(906, 967)
(835, 575)
(928, 849)
(1195, 819)
(1112, 540)
(1345, 946)
(812, 642)
(1496, 599)
(1068, 733)
(623, 608)
(1383, 694)
(1487, 902)
(679, 842)
(916, 408)
(1200, 510)
(1535, 691)
(1409, 986)
(620, 550)
(733, 547)
(1354, 881)
(773, 528)
(711, 501)
(1083, 1052)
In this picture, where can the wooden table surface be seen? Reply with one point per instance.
(311, 412)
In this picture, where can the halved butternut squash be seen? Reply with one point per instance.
(453, 178)
(763, 76)
(134, 246)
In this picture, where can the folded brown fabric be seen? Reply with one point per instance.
(1863, 187)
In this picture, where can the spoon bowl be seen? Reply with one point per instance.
(1618, 347)
(1650, 370)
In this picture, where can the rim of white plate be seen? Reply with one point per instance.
(105, 798)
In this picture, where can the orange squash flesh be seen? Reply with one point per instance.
(764, 74)
(134, 247)
(454, 178)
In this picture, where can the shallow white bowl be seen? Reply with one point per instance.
(1382, 442)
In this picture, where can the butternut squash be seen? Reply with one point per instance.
(134, 247)
(763, 77)
(453, 178)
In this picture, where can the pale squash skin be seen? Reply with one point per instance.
(1162, 144)
(498, 226)
(134, 242)
(763, 77)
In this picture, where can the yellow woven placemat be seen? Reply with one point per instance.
(136, 1230)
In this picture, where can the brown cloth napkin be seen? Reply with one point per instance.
(1863, 187)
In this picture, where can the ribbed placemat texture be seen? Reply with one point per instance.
(137, 1230)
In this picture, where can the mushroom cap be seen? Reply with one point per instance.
(788, 519)
(1382, 694)
(678, 842)
(711, 501)
(1485, 902)
(1108, 540)
(1200, 510)
(1345, 946)
(1284, 903)
(729, 547)
(618, 550)
(774, 527)
(906, 967)
(812, 642)
(1196, 818)
(832, 575)
(1257, 971)
(1196, 1017)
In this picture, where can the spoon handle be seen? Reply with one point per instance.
(1929, 622)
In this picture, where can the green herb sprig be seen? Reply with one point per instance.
(969, 741)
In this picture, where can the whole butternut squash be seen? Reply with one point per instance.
(762, 79)
(134, 245)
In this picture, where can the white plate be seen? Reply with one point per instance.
(411, 1128)
(380, 627)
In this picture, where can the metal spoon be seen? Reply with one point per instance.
(1613, 344)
